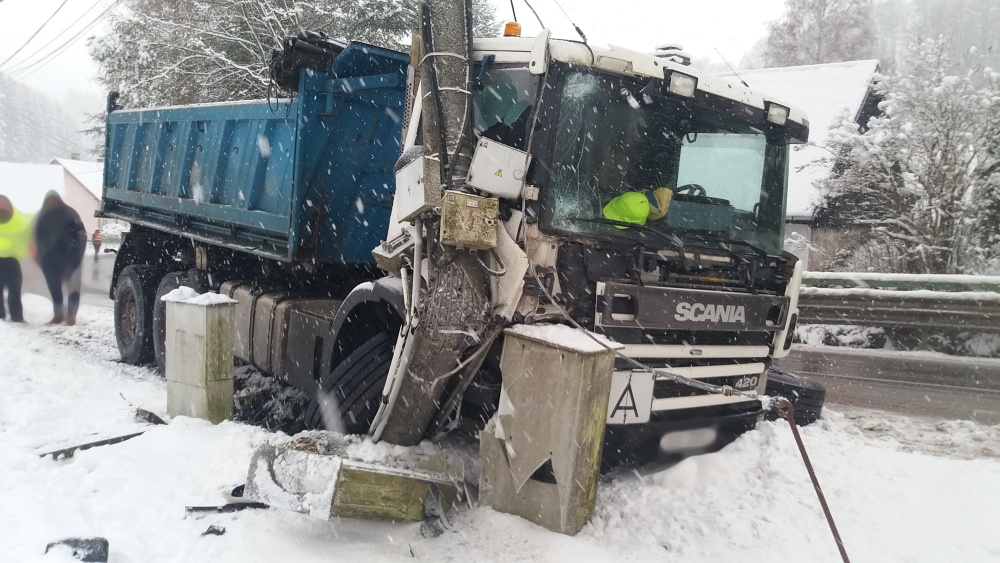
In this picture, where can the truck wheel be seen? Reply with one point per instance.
(353, 389)
(134, 313)
(170, 282)
(806, 395)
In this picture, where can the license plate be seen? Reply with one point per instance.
(631, 398)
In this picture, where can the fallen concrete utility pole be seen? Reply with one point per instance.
(453, 311)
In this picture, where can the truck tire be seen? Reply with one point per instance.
(806, 396)
(170, 282)
(134, 295)
(354, 387)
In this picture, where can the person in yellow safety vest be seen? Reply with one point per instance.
(15, 232)
(638, 207)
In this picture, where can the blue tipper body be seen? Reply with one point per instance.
(309, 179)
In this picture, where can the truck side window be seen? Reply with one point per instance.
(503, 104)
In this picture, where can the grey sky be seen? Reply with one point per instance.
(70, 70)
(701, 26)
(731, 26)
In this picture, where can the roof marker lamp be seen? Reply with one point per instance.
(680, 84)
(776, 113)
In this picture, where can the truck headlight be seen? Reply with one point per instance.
(681, 84)
(776, 113)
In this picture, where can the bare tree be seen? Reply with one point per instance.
(964, 23)
(161, 52)
(33, 127)
(820, 31)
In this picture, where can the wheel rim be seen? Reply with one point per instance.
(130, 318)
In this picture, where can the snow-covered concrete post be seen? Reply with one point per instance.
(199, 346)
(541, 453)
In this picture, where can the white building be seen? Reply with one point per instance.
(26, 184)
(827, 93)
(78, 182)
(83, 181)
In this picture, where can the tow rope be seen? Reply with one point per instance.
(783, 408)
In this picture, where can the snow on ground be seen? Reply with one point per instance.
(960, 439)
(62, 384)
(901, 489)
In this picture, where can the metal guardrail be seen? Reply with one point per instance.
(925, 384)
(926, 302)
(901, 281)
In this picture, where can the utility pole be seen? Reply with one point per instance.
(454, 310)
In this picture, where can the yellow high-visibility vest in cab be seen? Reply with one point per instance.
(637, 207)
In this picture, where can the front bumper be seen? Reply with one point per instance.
(674, 435)
(637, 396)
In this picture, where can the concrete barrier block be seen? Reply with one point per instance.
(199, 362)
(212, 402)
(199, 342)
(541, 453)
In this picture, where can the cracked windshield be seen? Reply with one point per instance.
(622, 157)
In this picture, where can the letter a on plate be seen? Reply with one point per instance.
(631, 397)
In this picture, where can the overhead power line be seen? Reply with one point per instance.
(27, 68)
(27, 60)
(37, 31)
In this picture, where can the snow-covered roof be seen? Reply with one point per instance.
(824, 91)
(89, 174)
(27, 184)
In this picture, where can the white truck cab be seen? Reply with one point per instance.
(700, 288)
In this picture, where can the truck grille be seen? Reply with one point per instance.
(687, 337)
(666, 389)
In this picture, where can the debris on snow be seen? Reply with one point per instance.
(902, 488)
(328, 475)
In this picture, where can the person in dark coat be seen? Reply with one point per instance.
(60, 241)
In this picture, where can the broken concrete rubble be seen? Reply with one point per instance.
(328, 475)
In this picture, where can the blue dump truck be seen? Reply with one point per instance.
(304, 212)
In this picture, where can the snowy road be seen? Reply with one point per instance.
(95, 280)
(915, 383)
(902, 489)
